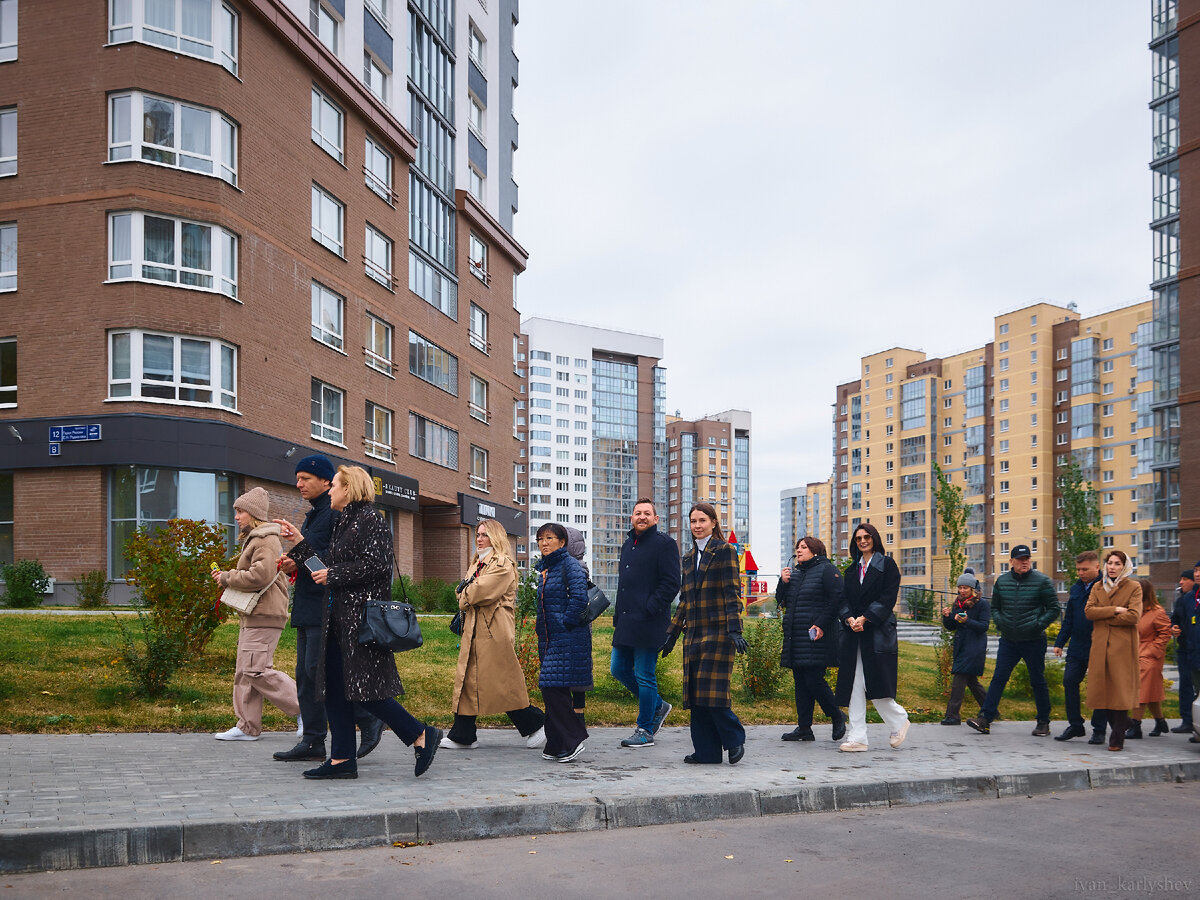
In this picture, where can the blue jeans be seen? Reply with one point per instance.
(637, 669)
(1008, 654)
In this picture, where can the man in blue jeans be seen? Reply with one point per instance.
(1024, 605)
(647, 581)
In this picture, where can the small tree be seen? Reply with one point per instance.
(952, 515)
(1080, 514)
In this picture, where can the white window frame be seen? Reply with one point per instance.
(479, 469)
(380, 337)
(377, 256)
(8, 389)
(126, 356)
(129, 227)
(379, 9)
(377, 434)
(325, 24)
(125, 144)
(477, 118)
(477, 46)
(476, 183)
(323, 205)
(477, 398)
(376, 77)
(477, 329)
(328, 316)
(438, 442)
(8, 256)
(328, 125)
(432, 363)
(8, 30)
(8, 141)
(478, 258)
(127, 22)
(328, 413)
(377, 170)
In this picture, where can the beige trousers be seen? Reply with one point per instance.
(255, 679)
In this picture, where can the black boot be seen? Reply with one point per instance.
(839, 726)
(1134, 731)
(1160, 727)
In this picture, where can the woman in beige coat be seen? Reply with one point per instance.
(489, 679)
(1114, 607)
(255, 677)
(1154, 632)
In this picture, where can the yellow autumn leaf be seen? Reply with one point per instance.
(729, 857)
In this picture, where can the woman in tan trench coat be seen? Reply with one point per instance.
(1114, 607)
(1154, 633)
(489, 679)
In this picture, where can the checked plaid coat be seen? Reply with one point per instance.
(709, 609)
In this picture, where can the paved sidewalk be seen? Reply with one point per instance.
(74, 801)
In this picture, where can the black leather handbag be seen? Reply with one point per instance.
(598, 602)
(391, 624)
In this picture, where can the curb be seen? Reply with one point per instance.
(122, 845)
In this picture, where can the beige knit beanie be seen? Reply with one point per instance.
(256, 502)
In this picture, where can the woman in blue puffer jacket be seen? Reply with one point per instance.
(564, 644)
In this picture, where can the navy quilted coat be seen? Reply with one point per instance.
(564, 637)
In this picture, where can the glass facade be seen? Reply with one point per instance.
(741, 485)
(614, 465)
(660, 438)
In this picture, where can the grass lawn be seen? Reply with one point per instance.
(62, 674)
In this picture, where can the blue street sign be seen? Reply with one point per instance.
(74, 433)
(55, 449)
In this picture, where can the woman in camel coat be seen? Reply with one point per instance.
(489, 679)
(1114, 607)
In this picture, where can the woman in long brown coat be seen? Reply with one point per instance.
(1114, 607)
(489, 679)
(1154, 631)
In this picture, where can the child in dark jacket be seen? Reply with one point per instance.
(968, 618)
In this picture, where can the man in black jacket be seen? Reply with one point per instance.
(1076, 636)
(648, 580)
(314, 476)
(1184, 600)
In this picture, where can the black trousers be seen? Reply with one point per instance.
(565, 729)
(811, 688)
(958, 688)
(1118, 720)
(715, 728)
(312, 710)
(1074, 671)
(527, 720)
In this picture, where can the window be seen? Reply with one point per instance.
(375, 77)
(8, 142)
(324, 24)
(476, 183)
(479, 260)
(157, 367)
(479, 469)
(477, 118)
(377, 434)
(1032, 356)
(149, 247)
(380, 10)
(377, 170)
(327, 122)
(8, 256)
(1107, 366)
(1004, 328)
(1003, 385)
(478, 400)
(432, 286)
(379, 345)
(180, 135)
(1004, 364)
(8, 52)
(1002, 347)
(203, 28)
(377, 256)
(326, 412)
(327, 220)
(8, 373)
(435, 443)
(431, 363)
(476, 46)
(478, 329)
(327, 313)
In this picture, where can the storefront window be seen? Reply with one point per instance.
(6, 518)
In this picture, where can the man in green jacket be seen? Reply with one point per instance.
(1024, 605)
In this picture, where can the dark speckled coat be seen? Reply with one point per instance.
(360, 567)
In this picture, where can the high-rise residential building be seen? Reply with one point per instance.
(596, 433)
(1176, 490)
(708, 460)
(805, 511)
(999, 421)
(212, 327)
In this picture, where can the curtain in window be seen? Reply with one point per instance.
(195, 362)
(160, 14)
(120, 132)
(120, 358)
(197, 19)
(158, 357)
(159, 241)
(197, 248)
(158, 128)
(195, 127)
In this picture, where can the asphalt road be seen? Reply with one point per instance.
(1116, 841)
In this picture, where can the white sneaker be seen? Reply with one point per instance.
(537, 739)
(447, 744)
(896, 739)
(235, 734)
(299, 727)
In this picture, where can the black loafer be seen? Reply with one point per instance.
(433, 737)
(345, 769)
(302, 751)
(839, 728)
(372, 733)
(1071, 731)
(736, 754)
(799, 734)
(691, 758)
(1097, 738)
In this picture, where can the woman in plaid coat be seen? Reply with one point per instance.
(709, 616)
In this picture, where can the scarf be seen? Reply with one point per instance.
(1110, 585)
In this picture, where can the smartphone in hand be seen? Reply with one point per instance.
(314, 564)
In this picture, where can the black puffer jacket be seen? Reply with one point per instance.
(810, 598)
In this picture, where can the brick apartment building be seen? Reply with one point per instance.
(221, 223)
(708, 460)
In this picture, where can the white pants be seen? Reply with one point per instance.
(890, 711)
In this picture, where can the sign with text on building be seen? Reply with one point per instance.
(394, 490)
(60, 433)
(476, 509)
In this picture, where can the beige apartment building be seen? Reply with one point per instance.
(805, 511)
(708, 460)
(1000, 420)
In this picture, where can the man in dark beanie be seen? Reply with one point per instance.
(314, 475)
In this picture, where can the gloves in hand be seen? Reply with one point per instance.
(739, 642)
(669, 644)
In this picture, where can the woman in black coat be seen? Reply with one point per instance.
(968, 618)
(869, 654)
(809, 595)
(357, 567)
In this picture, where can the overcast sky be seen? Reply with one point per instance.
(780, 188)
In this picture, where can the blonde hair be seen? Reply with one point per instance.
(254, 523)
(358, 483)
(499, 538)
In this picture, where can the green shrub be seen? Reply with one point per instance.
(152, 661)
(921, 603)
(91, 589)
(1019, 687)
(943, 656)
(25, 583)
(429, 595)
(762, 676)
(526, 634)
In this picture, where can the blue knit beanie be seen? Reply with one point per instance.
(316, 465)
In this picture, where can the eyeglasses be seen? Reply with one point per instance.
(864, 537)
